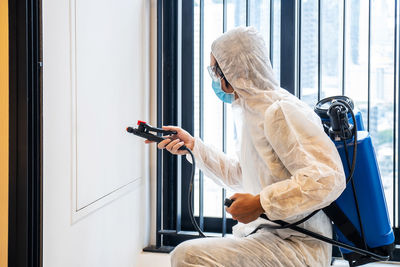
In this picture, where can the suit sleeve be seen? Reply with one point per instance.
(317, 176)
(221, 168)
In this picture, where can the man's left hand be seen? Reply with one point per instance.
(245, 207)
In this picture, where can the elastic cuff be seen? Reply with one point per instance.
(265, 203)
(195, 151)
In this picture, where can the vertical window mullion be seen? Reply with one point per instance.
(159, 122)
(369, 64)
(201, 115)
(319, 50)
(344, 49)
(271, 31)
(288, 46)
(395, 117)
(179, 116)
(186, 67)
(169, 114)
(299, 50)
(394, 111)
(224, 26)
(398, 130)
(247, 12)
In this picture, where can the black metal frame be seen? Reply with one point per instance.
(25, 150)
(288, 45)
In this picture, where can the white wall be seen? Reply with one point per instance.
(112, 230)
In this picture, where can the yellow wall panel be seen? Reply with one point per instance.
(3, 132)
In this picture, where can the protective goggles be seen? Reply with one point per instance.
(215, 73)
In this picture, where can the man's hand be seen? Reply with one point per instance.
(173, 142)
(246, 207)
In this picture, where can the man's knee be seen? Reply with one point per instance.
(183, 255)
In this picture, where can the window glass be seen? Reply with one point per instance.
(331, 47)
(309, 52)
(356, 76)
(236, 14)
(382, 84)
(276, 33)
(260, 18)
(212, 109)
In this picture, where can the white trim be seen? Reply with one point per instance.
(78, 213)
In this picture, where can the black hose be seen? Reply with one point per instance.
(294, 226)
(286, 225)
(352, 180)
(190, 196)
(353, 165)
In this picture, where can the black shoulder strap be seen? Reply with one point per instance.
(344, 224)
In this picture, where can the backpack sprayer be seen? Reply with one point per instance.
(360, 218)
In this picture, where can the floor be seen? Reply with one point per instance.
(162, 260)
(341, 263)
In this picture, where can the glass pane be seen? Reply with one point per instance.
(331, 47)
(212, 199)
(260, 18)
(276, 32)
(382, 89)
(212, 109)
(309, 52)
(356, 78)
(196, 62)
(236, 16)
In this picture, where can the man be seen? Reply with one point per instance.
(287, 166)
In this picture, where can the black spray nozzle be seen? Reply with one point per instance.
(228, 202)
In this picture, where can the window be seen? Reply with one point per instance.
(327, 48)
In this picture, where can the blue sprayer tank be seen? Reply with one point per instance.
(369, 190)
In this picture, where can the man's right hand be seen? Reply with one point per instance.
(174, 142)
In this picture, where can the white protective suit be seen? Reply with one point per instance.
(285, 156)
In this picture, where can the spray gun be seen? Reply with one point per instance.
(144, 130)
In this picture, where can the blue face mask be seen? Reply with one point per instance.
(225, 97)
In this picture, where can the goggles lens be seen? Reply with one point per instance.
(215, 73)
